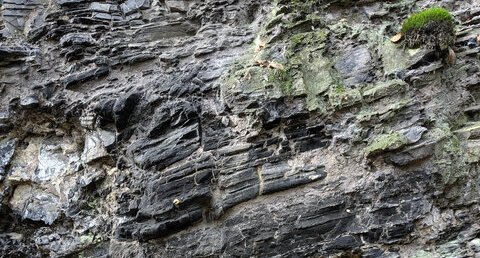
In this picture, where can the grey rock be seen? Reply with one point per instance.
(66, 2)
(108, 139)
(354, 65)
(35, 204)
(413, 134)
(102, 16)
(412, 154)
(100, 7)
(5, 116)
(77, 39)
(375, 11)
(51, 161)
(29, 102)
(94, 148)
(7, 149)
(14, 54)
(156, 130)
(132, 5)
(90, 74)
(123, 108)
(177, 6)
(92, 176)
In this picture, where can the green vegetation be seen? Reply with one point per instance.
(341, 97)
(386, 142)
(422, 19)
(450, 156)
(299, 5)
(432, 28)
(383, 89)
(385, 112)
(311, 38)
(283, 79)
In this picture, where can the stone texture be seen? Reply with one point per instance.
(7, 150)
(223, 128)
(35, 204)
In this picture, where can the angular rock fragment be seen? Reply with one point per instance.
(177, 6)
(29, 102)
(173, 136)
(386, 142)
(131, 6)
(68, 2)
(94, 148)
(123, 108)
(412, 154)
(77, 39)
(413, 134)
(35, 204)
(90, 74)
(7, 149)
(354, 65)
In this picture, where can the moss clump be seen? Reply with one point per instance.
(421, 19)
(432, 28)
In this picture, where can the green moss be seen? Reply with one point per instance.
(339, 89)
(282, 79)
(306, 71)
(450, 249)
(311, 20)
(432, 28)
(450, 157)
(317, 78)
(299, 5)
(341, 97)
(87, 239)
(274, 21)
(422, 19)
(394, 59)
(386, 142)
(313, 39)
(310, 69)
(382, 113)
(383, 89)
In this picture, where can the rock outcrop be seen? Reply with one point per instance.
(228, 128)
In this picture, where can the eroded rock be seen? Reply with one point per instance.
(234, 128)
(35, 204)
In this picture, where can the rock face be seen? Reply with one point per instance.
(226, 128)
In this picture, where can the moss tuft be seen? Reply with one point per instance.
(422, 19)
(432, 28)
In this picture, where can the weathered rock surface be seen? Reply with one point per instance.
(227, 128)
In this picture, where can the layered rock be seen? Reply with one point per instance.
(227, 128)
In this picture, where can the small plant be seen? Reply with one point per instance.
(432, 28)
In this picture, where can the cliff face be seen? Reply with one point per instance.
(235, 128)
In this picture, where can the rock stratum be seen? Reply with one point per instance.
(236, 128)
